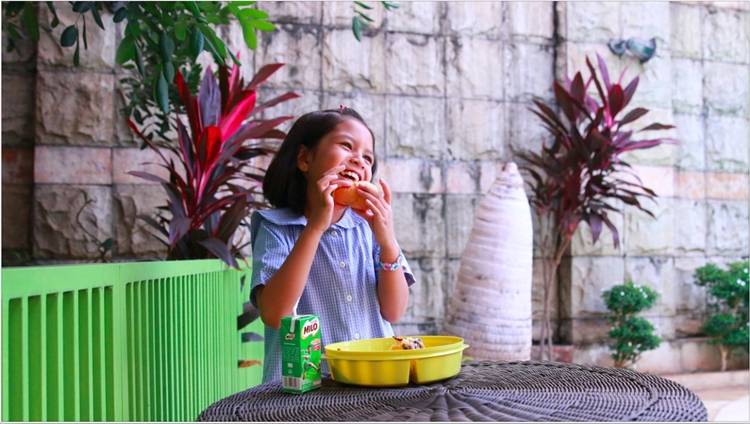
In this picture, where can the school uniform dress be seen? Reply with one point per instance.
(341, 288)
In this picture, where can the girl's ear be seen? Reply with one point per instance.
(303, 159)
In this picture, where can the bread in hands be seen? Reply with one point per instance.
(349, 196)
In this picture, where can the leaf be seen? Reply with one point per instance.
(162, 93)
(246, 363)
(192, 6)
(69, 36)
(656, 126)
(30, 21)
(249, 314)
(239, 113)
(120, 15)
(55, 19)
(357, 28)
(169, 71)
(263, 74)
(265, 26)
(85, 37)
(363, 5)
(276, 100)
(178, 227)
(630, 90)
(97, 17)
(180, 30)
(595, 222)
(166, 47)
(77, 55)
(155, 225)
(139, 60)
(196, 43)
(147, 176)
(603, 70)
(107, 244)
(616, 100)
(209, 99)
(248, 33)
(185, 148)
(365, 17)
(214, 43)
(231, 219)
(251, 337)
(390, 5)
(251, 13)
(596, 80)
(125, 51)
(633, 115)
(219, 249)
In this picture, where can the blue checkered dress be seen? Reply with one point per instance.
(341, 287)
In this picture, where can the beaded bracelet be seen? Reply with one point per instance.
(391, 266)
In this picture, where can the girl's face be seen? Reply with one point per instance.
(349, 144)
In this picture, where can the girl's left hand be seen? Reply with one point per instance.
(378, 213)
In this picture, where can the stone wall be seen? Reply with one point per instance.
(446, 89)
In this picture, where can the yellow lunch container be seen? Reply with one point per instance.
(373, 362)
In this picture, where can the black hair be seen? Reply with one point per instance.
(284, 185)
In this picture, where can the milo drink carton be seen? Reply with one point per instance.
(300, 353)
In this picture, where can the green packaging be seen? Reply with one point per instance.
(300, 353)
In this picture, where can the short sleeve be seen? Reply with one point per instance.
(270, 250)
(410, 280)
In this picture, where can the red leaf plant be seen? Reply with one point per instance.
(212, 187)
(581, 173)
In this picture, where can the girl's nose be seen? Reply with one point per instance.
(359, 160)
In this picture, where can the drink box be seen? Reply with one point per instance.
(300, 353)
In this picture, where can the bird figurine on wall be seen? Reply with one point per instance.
(642, 50)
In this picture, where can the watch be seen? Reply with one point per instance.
(391, 266)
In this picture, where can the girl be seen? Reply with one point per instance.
(343, 265)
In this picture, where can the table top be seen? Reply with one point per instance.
(483, 391)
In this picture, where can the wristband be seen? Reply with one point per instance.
(391, 266)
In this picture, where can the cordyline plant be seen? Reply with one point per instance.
(212, 187)
(580, 175)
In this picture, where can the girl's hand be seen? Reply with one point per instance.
(321, 207)
(379, 216)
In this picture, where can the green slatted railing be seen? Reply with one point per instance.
(147, 341)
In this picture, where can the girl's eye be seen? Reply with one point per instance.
(368, 159)
(347, 144)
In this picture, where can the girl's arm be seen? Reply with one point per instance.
(393, 291)
(278, 296)
(282, 291)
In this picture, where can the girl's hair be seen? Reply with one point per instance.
(285, 185)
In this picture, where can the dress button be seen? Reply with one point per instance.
(343, 264)
(348, 298)
(356, 336)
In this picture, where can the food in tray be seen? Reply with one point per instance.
(407, 343)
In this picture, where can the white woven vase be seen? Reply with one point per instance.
(491, 303)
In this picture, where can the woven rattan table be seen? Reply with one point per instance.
(483, 391)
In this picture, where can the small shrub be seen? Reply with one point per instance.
(727, 322)
(631, 335)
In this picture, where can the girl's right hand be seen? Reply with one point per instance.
(321, 206)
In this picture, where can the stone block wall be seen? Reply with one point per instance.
(446, 89)
(19, 74)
